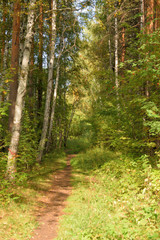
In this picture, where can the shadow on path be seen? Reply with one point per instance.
(54, 201)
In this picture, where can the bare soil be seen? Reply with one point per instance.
(54, 202)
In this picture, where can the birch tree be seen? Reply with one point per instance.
(40, 57)
(142, 14)
(49, 85)
(53, 106)
(116, 57)
(14, 61)
(13, 148)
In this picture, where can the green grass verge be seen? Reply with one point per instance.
(18, 202)
(118, 200)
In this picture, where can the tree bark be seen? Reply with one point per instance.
(123, 45)
(40, 57)
(110, 53)
(116, 62)
(3, 50)
(142, 15)
(14, 62)
(30, 82)
(157, 15)
(49, 86)
(13, 148)
(53, 106)
(150, 16)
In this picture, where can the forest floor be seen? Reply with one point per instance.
(93, 193)
(53, 203)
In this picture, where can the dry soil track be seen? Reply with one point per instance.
(54, 203)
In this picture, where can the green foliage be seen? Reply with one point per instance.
(28, 143)
(77, 145)
(114, 202)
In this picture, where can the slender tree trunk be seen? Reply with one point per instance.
(3, 34)
(12, 153)
(123, 45)
(49, 86)
(23, 24)
(150, 16)
(149, 29)
(110, 53)
(53, 106)
(60, 139)
(14, 62)
(142, 15)
(3, 49)
(30, 82)
(31, 87)
(157, 15)
(40, 56)
(116, 62)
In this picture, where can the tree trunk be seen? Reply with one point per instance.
(49, 86)
(116, 61)
(150, 16)
(40, 57)
(3, 50)
(14, 62)
(53, 105)
(142, 15)
(12, 153)
(23, 24)
(30, 82)
(123, 46)
(157, 15)
(110, 53)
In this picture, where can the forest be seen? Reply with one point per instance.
(80, 80)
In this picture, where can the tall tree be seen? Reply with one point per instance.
(116, 56)
(12, 153)
(50, 83)
(14, 61)
(3, 47)
(40, 57)
(150, 4)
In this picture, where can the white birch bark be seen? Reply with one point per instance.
(110, 53)
(53, 106)
(116, 61)
(12, 153)
(49, 86)
(21, 37)
(142, 15)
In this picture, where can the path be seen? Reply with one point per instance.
(54, 203)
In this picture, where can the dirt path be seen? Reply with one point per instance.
(54, 202)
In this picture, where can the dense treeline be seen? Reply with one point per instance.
(39, 45)
(81, 76)
(121, 76)
(57, 80)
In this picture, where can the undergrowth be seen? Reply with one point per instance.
(76, 145)
(18, 201)
(114, 197)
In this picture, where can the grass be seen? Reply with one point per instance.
(19, 202)
(77, 145)
(114, 197)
